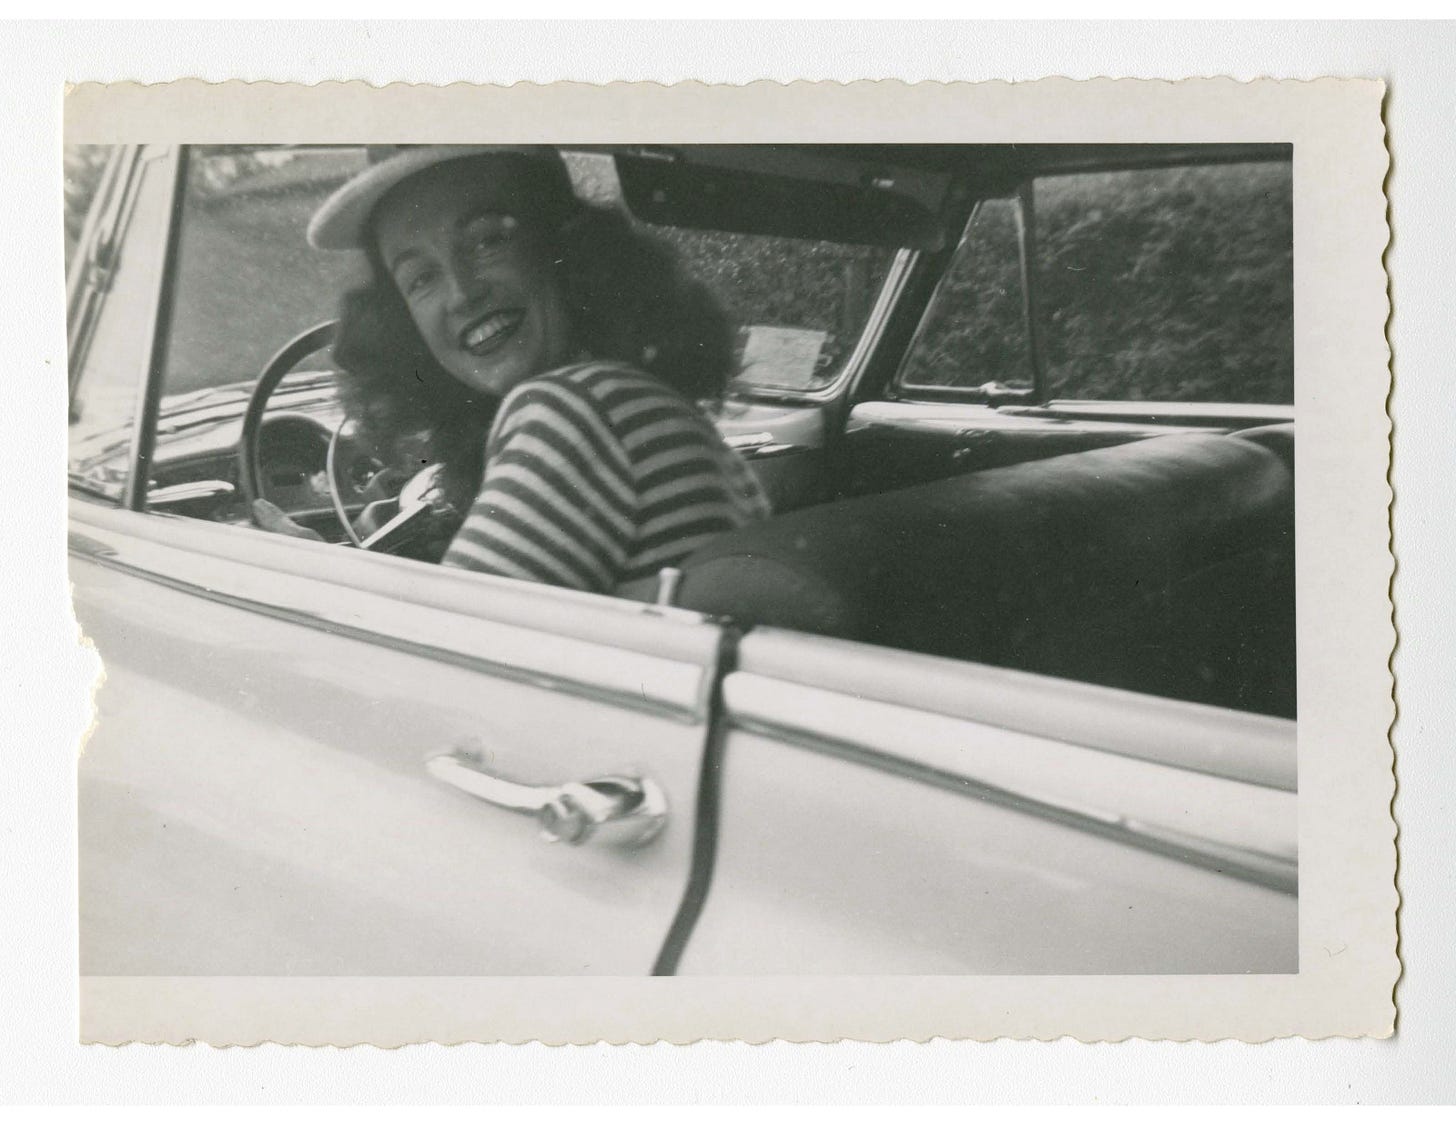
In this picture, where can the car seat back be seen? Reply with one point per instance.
(1162, 566)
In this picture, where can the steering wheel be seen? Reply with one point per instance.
(250, 474)
(420, 509)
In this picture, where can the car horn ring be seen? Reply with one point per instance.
(284, 360)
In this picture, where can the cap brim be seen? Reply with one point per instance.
(340, 223)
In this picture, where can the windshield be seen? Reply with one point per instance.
(247, 280)
(800, 304)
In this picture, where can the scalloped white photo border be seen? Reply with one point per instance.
(1348, 901)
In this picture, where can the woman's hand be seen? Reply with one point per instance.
(271, 517)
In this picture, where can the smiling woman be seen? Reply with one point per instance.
(551, 356)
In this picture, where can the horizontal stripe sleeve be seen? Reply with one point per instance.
(565, 417)
(679, 502)
(542, 455)
(533, 486)
(689, 466)
(711, 523)
(557, 504)
(498, 558)
(522, 528)
(658, 434)
(665, 463)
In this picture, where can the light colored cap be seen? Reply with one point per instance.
(341, 222)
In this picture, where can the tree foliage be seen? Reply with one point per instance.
(82, 166)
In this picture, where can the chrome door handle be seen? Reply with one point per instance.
(628, 811)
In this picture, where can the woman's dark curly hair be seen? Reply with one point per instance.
(629, 299)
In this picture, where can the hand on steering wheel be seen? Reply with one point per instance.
(270, 517)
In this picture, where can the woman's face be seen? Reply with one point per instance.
(477, 277)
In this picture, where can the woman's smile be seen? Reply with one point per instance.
(485, 334)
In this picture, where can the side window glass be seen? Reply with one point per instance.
(1169, 284)
(113, 304)
(974, 335)
(801, 304)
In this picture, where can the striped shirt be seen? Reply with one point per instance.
(598, 474)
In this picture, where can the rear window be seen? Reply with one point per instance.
(1171, 284)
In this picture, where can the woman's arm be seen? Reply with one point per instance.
(558, 500)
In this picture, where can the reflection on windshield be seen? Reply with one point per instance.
(803, 303)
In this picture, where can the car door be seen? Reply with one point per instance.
(311, 760)
(258, 793)
(888, 811)
(880, 811)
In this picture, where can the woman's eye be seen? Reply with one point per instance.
(417, 283)
(490, 233)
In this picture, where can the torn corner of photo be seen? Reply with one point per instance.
(891, 602)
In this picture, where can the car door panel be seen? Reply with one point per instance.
(888, 813)
(255, 799)
(784, 445)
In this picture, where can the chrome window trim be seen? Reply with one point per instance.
(897, 387)
(629, 655)
(1238, 746)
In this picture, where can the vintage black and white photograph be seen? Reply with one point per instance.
(627, 559)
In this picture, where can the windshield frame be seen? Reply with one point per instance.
(144, 430)
(108, 236)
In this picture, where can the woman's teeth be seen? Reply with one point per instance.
(490, 332)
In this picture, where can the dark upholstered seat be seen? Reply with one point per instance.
(1163, 566)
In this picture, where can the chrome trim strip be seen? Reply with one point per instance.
(1269, 871)
(854, 367)
(1236, 746)
(659, 631)
(102, 554)
(1031, 315)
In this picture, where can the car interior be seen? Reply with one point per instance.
(1138, 551)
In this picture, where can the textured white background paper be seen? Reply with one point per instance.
(43, 668)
